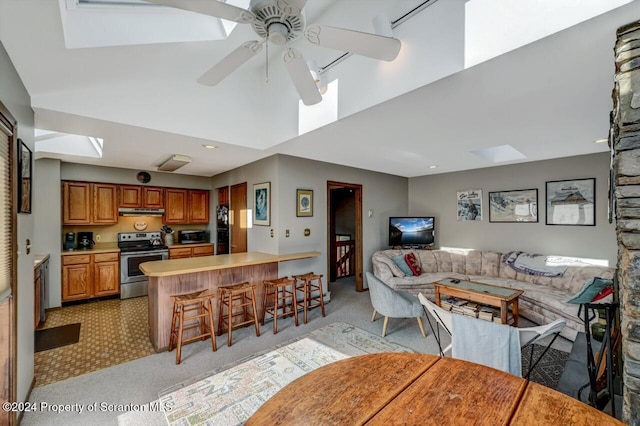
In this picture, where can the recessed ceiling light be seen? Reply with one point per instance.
(433, 167)
(209, 146)
(603, 140)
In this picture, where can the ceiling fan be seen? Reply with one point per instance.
(279, 22)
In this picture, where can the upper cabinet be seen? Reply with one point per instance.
(86, 203)
(198, 206)
(186, 206)
(175, 209)
(132, 196)
(89, 203)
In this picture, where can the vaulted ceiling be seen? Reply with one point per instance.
(547, 99)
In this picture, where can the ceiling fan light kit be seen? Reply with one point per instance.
(279, 22)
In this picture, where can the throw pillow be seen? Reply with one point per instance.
(413, 264)
(590, 290)
(402, 264)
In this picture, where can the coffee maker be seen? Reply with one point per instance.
(85, 240)
(70, 241)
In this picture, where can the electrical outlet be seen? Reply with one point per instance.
(98, 238)
(286, 233)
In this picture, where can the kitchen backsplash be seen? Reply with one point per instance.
(109, 234)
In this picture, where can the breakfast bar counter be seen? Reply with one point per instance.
(179, 276)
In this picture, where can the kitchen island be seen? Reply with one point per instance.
(179, 276)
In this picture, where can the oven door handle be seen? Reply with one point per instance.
(144, 253)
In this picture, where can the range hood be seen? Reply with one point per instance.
(140, 212)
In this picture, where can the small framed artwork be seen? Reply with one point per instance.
(262, 204)
(519, 206)
(469, 204)
(24, 177)
(304, 199)
(571, 202)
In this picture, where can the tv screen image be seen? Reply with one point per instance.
(405, 231)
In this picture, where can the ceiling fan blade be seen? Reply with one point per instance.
(291, 7)
(230, 63)
(301, 77)
(365, 44)
(212, 8)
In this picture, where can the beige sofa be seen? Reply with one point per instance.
(544, 298)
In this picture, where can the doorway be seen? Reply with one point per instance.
(344, 237)
(238, 218)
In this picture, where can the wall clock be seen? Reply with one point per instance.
(143, 177)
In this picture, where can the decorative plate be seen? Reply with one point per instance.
(140, 225)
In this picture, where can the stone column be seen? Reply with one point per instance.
(624, 141)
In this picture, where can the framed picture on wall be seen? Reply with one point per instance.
(519, 206)
(304, 199)
(571, 202)
(262, 204)
(469, 204)
(24, 177)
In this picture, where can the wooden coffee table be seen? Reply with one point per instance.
(484, 294)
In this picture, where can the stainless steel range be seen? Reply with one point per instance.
(137, 248)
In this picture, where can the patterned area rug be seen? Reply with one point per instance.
(230, 395)
(550, 367)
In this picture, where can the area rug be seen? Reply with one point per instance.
(550, 367)
(55, 337)
(231, 394)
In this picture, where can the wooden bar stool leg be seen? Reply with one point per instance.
(180, 325)
(255, 311)
(209, 307)
(229, 319)
(172, 335)
(220, 315)
(321, 295)
(276, 298)
(264, 303)
(203, 322)
(295, 302)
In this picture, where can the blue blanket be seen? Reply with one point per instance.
(535, 264)
(487, 343)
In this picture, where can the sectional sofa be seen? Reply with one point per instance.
(543, 301)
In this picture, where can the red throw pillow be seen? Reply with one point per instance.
(413, 264)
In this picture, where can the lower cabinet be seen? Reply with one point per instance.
(184, 252)
(90, 275)
(36, 296)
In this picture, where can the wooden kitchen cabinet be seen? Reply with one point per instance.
(175, 209)
(186, 206)
(106, 274)
(90, 275)
(36, 296)
(137, 197)
(184, 252)
(85, 203)
(198, 206)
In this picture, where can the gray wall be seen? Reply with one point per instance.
(436, 196)
(15, 98)
(385, 195)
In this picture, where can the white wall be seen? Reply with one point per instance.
(385, 195)
(15, 98)
(436, 195)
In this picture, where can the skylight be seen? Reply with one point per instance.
(67, 144)
(500, 154)
(494, 27)
(100, 23)
(321, 114)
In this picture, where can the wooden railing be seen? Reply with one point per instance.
(345, 258)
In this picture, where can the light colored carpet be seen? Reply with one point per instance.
(231, 396)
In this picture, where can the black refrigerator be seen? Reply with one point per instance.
(222, 230)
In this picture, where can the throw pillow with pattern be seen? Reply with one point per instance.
(413, 263)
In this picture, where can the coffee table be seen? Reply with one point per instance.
(484, 294)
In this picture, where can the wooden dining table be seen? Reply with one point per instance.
(419, 389)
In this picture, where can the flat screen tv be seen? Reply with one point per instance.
(411, 231)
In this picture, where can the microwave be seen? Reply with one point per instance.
(192, 237)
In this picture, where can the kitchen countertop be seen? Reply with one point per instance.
(98, 248)
(38, 259)
(167, 268)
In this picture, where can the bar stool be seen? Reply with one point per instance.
(282, 297)
(199, 301)
(309, 283)
(236, 296)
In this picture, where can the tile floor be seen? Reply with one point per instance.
(111, 332)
